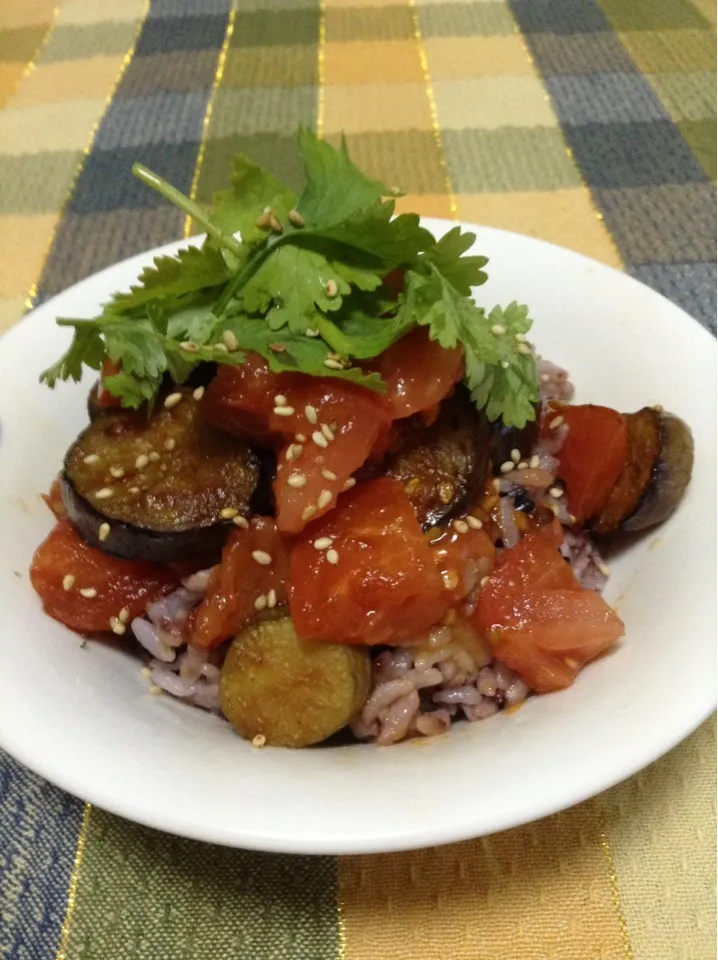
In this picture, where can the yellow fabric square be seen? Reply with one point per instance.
(48, 127)
(26, 13)
(343, 4)
(386, 61)
(67, 80)
(376, 108)
(425, 204)
(100, 11)
(565, 217)
(667, 50)
(21, 262)
(10, 312)
(10, 77)
(458, 58)
(487, 103)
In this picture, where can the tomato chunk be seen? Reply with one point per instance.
(592, 456)
(418, 372)
(116, 583)
(240, 579)
(463, 559)
(104, 398)
(540, 620)
(53, 498)
(383, 587)
(240, 400)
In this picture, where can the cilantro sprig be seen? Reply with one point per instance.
(299, 279)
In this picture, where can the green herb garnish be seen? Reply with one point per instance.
(300, 280)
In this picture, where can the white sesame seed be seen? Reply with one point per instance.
(259, 741)
(484, 581)
(230, 340)
(604, 569)
(461, 526)
(155, 690)
(571, 518)
(310, 332)
(507, 466)
(172, 400)
(556, 492)
(323, 543)
(310, 413)
(170, 444)
(280, 400)
(124, 615)
(333, 364)
(496, 484)
(134, 490)
(331, 289)
(324, 499)
(308, 512)
(332, 556)
(522, 465)
(154, 457)
(524, 349)
(220, 347)
(556, 422)
(328, 475)
(104, 493)
(261, 602)
(262, 557)
(505, 364)
(498, 330)
(68, 581)
(295, 218)
(104, 531)
(296, 480)
(146, 672)
(300, 437)
(198, 393)
(272, 599)
(534, 461)
(189, 346)
(228, 513)
(319, 438)
(117, 472)
(519, 337)
(142, 461)
(88, 592)
(516, 455)
(284, 411)
(116, 626)
(327, 431)
(91, 458)
(241, 521)
(348, 484)
(545, 378)
(474, 522)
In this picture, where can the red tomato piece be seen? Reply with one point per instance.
(383, 587)
(240, 400)
(104, 398)
(131, 584)
(240, 579)
(592, 456)
(463, 559)
(418, 372)
(541, 621)
(53, 498)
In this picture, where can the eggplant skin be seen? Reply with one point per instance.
(658, 469)
(444, 465)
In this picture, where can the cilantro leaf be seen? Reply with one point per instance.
(373, 231)
(86, 348)
(252, 189)
(448, 257)
(191, 270)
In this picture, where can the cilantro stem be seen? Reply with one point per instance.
(192, 209)
(332, 335)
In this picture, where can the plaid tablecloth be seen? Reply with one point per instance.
(591, 124)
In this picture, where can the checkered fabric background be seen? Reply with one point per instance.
(590, 123)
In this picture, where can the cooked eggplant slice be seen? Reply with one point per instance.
(658, 469)
(162, 488)
(443, 465)
(292, 692)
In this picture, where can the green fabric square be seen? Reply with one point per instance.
(345, 24)
(687, 96)
(466, 20)
(659, 51)
(652, 14)
(701, 137)
(276, 152)
(261, 110)
(510, 158)
(263, 28)
(272, 66)
(21, 44)
(36, 183)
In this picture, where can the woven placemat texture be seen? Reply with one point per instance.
(590, 124)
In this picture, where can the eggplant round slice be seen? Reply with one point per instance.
(658, 469)
(160, 488)
(292, 692)
(444, 465)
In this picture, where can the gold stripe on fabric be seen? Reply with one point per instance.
(569, 152)
(126, 60)
(615, 892)
(219, 73)
(74, 879)
(321, 92)
(436, 128)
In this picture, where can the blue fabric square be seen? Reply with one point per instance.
(559, 16)
(605, 98)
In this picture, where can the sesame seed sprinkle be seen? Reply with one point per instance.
(324, 499)
(534, 461)
(295, 218)
(198, 393)
(311, 332)
(300, 438)
(507, 466)
(104, 494)
(284, 411)
(348, 484)
(154, 457)
(604, 569)
(524, 349)
(272, 599)
(296, 480)
(461, 526)
(331, 289)
(319, 438)
(68, 581)
(259, 741)
(228, 513)
(220, 347)
(262, 557)
(519, 337)
(556, 492)
(484, 581)
(556, 422)
(474, 522)
(280, 400)
(89, 593)
(124, 615)
(516, 455)
(170, 444)
(261, 602)
(333, 364)
(142, 461)
(104, 531)
(117, 472)
(146, 672)
(308, 512)
(310, 413)
(189, 346)
(505, 364)
(134, 490)
(323, 543)
(230, 340)
(328, 475)
(240, 521)
(172, 400)
(522, 465)
(116, 626)
(545, 378)
(327, 431)
(332, 556)
(91, 458)
(155, 690)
